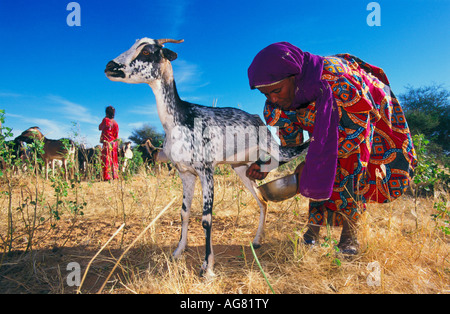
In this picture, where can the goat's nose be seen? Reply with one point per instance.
(112, 66)
(113, 70)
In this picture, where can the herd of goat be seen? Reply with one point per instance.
(68, 155)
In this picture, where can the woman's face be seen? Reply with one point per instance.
(282, 93)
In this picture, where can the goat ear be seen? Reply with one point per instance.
(169, 54)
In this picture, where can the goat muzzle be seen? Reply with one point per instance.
(113, 69)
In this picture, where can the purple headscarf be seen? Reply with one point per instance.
(281, 60)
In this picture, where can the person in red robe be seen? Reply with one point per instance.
(110, 133)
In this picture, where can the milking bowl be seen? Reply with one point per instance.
(280, 189)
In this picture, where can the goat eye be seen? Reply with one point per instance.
(145, 52)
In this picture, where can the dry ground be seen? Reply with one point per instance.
(409, 254)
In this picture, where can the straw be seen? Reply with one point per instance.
(134, 242)
(95, 256)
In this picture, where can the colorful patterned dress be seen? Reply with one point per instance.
(376, 157)
(110, 162)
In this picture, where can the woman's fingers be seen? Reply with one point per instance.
(254, 172)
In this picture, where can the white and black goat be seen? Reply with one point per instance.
(197, 137)
(125, 154)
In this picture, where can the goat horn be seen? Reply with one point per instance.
(168, 40)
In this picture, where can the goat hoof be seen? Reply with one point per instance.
(256, 245)
(177, 254)
(206, 271)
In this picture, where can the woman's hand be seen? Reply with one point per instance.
(254, 172)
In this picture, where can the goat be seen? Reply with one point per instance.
(53, 149)
(125, 154)
(198, 138)
(15, 153)
(151, 155)
(149, 152)
(88, 158)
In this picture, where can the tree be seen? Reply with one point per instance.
(427, 110)
(139, 136)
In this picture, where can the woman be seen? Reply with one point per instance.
(110, 133)
(361, 149)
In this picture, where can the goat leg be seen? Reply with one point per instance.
(207, 182)
(252, 187)
(188, 180)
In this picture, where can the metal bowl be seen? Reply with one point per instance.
(280, 189)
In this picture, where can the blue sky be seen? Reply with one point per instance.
(52, 74)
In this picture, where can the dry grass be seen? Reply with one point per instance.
(412, 255)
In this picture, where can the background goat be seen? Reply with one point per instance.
(196, 136)
(148, 152)
(53, 149)
(125, 154)
(15, 153)
(89, 160)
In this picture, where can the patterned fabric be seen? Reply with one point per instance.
(110, 162)
(290, 130)
(376, 157)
